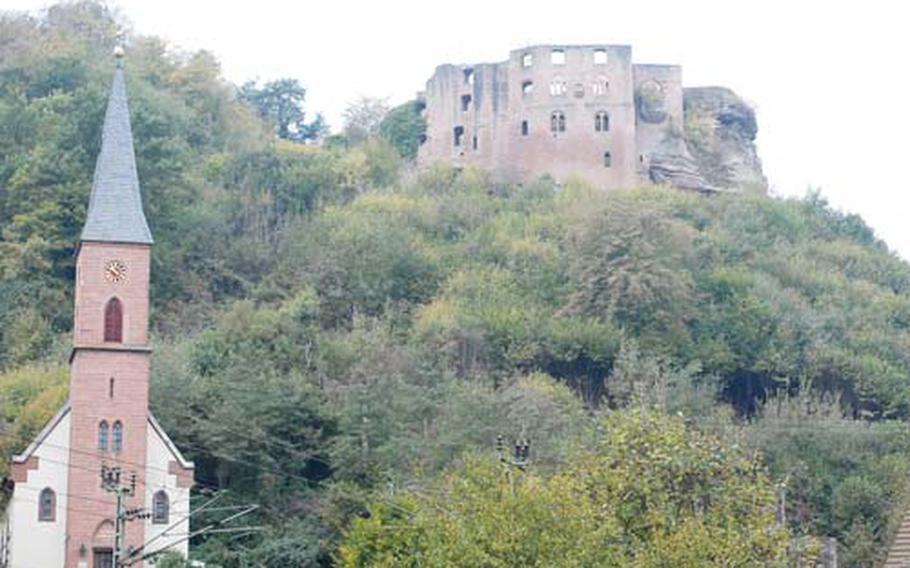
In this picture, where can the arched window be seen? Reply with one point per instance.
(103, 431)
(161, 508)
(601, 122)
(113, 321)
(608, 160)
(557, 121)
(117, 438)
(47, 505)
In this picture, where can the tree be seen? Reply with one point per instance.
(362, 119)
(653, 493)
(282, 103)
(404, 128)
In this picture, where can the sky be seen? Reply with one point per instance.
(828, 79)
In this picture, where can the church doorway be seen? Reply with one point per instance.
(104, 558)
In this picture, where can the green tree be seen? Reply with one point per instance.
(653, 493)
(281, 102)
(404, 128)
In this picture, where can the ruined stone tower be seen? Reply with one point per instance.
(580, 111)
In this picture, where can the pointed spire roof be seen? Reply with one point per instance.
(115, 209)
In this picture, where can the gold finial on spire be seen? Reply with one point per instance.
(119, 52)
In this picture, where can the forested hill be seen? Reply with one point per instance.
(329, 322)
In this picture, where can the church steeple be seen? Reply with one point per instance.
(115, 209)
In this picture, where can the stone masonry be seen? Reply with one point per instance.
(579, 111)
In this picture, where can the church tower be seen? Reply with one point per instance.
(109, 374)
(106, 422)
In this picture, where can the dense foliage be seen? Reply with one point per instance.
(650, 493)
(330, 325)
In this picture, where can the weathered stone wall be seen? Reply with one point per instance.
(505, 113)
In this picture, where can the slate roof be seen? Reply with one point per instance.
(115, 209)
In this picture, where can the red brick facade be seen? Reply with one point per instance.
(109, 382)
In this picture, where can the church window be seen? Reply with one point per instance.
(601, 122)
(113, 321)
(110, 391)
(558, 57)
(557, 121)
(600, 57)
(117, 437)
(103, 433)
(608, 160)
(47, 505)
(160, 508)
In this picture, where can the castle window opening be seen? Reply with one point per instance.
(459, 133)
(558, 88)
(558, 57)
(608, 160)
(557, 121)
(474, 142)
(578, 90)
(524, 127)
(527, 60)
(600, 57)
(600, 86)
(469, 76)
(527, 87)
(465, 102)
(601, 122)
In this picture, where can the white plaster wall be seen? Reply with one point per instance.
(37, 544)
(157, 461)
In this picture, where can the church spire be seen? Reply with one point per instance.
(115, 209)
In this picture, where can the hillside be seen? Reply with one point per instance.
(330, 323)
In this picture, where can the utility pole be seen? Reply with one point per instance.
(111, 482)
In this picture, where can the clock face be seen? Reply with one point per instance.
(115, 271)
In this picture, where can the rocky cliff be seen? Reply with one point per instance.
(717, 149)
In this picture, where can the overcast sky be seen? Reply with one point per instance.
(828, 79)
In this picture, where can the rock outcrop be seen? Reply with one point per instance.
(720, 131)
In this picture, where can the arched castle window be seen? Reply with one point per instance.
(103, 433)
(558, 87)
(161, 508)
(527, 87)
(113, 321)
(601, 122)
(600, 57)
(458, 133)
(117, 437)
(47, 505)
(608, 160)
(558, 57)
(527, 60)
(557, 121)
(600, 86)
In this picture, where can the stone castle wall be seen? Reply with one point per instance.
(544, 111)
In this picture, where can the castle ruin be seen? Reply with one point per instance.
(587, 111)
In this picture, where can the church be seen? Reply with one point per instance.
(102, 476)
